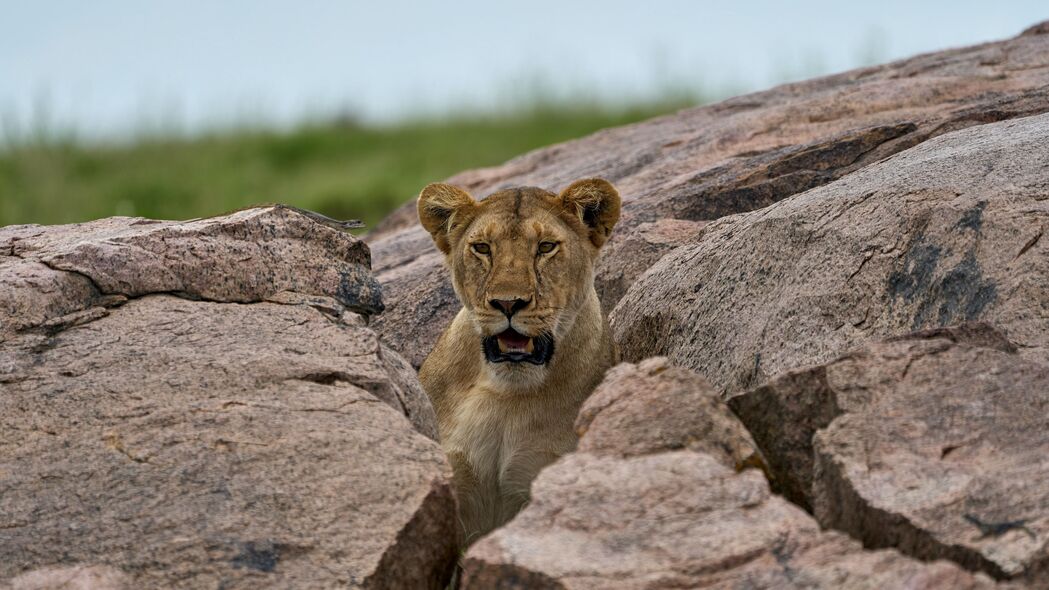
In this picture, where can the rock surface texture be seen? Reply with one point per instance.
(654, 406)
(72, 578)
(949, 231)
(676, 172)
(201, 404)
(623, 514)
(936, 443)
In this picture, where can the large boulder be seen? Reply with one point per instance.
(738, 155)
(935, 443)
(202, 404)
(949, 231)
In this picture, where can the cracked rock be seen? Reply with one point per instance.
(250, 432)
(934, 443)
(738, 155)
(680, 519)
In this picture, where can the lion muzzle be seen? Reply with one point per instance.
(514, 347)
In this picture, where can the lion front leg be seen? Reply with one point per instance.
(478, 501)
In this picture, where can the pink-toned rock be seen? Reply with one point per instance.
(77, 577)
(414, 323)
(652, 407)
(946, 232)
(633, 252)
(245, 256)
(679, 520)
(739, 155)
(253, 432)
(933, 443)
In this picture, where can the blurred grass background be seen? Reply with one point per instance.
(342, 169)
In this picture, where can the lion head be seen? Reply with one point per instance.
(522, 263)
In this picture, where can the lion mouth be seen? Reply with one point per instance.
(514, 347)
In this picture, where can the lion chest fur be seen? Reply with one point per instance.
(498, 440)
(498, 446)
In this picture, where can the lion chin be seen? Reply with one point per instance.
(530, 343)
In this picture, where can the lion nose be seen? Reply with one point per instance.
(509, 306)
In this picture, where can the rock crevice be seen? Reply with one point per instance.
(932, 443)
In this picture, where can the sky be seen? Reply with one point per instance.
(109, 68)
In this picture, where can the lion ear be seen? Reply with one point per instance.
(596, 203)
(443, 207)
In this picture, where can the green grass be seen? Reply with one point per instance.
(341, 170)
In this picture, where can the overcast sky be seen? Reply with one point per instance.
(109, 67)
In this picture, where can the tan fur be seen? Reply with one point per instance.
(500, 423)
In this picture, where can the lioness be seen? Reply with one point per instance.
(508, 375)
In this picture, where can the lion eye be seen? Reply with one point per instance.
(546, 247)
(482, 248)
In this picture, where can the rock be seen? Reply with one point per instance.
(934, 443)
(33, 293)
(78, 577)
(245, 256)
(679, 519)
(738, 155)
(414, 323)
(626, 258)
(785, 413)
(1041, 28)
(251, 432)
(653, 406)
(946, 232)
